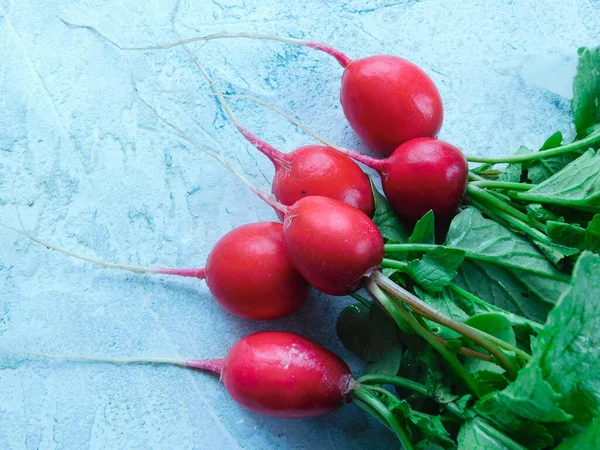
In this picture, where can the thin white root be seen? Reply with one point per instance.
(262, 194)
(132, 360)
(209, 37)
(208, 78)
(136, 269)
(270, 106)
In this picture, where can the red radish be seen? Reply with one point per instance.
(285, 375)
(318, 170)
(333, 245)
(248, 272)
(421, 175)
(273, 373)
(387, 100)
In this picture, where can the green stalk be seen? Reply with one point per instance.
(490, 199)
(507, 219)
(393, 264)
(407, 384)
(501, 185)
(396, 310)
(370, 410)
(363, 301)
(410, 247)
(367, 397)
(423, 309)
(402, 382)
(573, 146)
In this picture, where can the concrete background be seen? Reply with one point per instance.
(91, 169)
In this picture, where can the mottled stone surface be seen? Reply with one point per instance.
(91, 169)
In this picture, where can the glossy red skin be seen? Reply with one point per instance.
(332, 244)
(389, 100)
(250, 274)
(318, 170)
(425, 174)
(282, 374)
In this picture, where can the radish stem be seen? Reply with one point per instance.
(504, 207)
(502, 185)
(367, 397)
(423, 309)
(401, 315)
(572, 147)
(405, 383)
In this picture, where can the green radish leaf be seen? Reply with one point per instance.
(542, 169)
(489, 380)
(476, 434)
(566, 234)
(533, 435)
(586, 91)
(424, 230)
(436, 269)
(588, 439)
(513, 172)
(482, 168)
(537, 212)
(556, 253)
(591, 241)
(424, 367)
(487, 373)
(510, 290)
(430, 426)
(486, 240)
(575, 186)
(561, 383)
(426, 444)
(444, 302)
(386, 219)
(372, 336)
(553, 141)
(494, 324)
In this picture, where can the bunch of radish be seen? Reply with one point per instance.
(327, 240)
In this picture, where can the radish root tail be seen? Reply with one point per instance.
(341, 58)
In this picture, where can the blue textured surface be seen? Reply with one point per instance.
(92, 170)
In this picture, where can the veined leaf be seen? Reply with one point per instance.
(575, 186)
(476, 434)
(386, 219)
(561, 383)
(489, 241)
